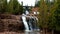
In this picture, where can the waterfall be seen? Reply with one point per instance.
(33, 21)
(30, 24)
(25, 23)
(26, 12)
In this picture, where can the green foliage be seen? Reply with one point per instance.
(58, 16)
(37, 4)
(10, 7)
(13, 7)
(43, 16)
(52, 19)
(47, 15)
(3, 6)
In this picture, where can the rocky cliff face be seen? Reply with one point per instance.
(11, 23)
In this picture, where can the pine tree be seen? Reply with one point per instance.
(52, 19)
(58, 16)
(47, 18)
(43, 16)
(14, 7)
(10, 7)
(3, 6)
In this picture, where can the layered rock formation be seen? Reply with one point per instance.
(11, 23)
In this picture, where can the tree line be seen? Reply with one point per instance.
(11, 7)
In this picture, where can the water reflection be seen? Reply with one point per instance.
(32, 33)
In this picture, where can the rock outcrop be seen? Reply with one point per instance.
(11, 23)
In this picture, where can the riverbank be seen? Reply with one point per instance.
(20, 32)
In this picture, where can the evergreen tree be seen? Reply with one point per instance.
(52, 19)
(58, 16)
(47, 14)
(10, 7)
(18, 9)
(3, 6)
(43, 16)
(14, 7)
(37, 4)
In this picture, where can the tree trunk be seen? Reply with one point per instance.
(43, 31)
(46, 31)
(52, 31)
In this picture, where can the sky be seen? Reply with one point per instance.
(27, 2)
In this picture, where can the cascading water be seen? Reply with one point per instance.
(29, 24)
(33, 23)
(25, 23)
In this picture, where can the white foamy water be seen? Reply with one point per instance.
(30, 25)
(25, 23)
